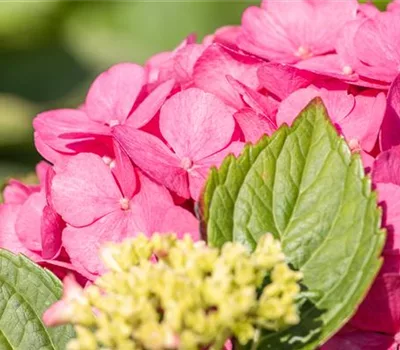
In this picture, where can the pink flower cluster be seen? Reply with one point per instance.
(134, 156)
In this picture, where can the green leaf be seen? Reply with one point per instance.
(26, 291)
(305, 187)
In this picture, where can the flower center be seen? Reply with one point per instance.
(113, 122)
(109, 161)
(354, 145)
(124, 203)
(303, 52)
(186, 163)
(347, 70)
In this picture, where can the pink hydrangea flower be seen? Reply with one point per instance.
(30, 225)
(358, 117)
(216, 63)
(115, 97)
(100, 205)
(287, 32)
(146, 137)
(371, 47)
(179, 66)
(160, 67)
(37, 228)
(342, 64)
(198, 127)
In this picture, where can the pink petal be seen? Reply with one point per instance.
(8, 237)
(28, 224)
(216, 63)
(282, 31)
(83, 243)
(17, 193)
(390, 131)
(156, 64)
(282, 80)
(377, 43)
(255, 23)
(152, 156)
(199, 173)
(61, 128)
(261, 104)
(184, 62)
(196, 124)
(390, 135)
(290, 108)
(389, 200)
(394, 95)
(114, 92)
(46, 151)
(380, 311)
(368, 10)
(150, 210)
(124, 172)
(364, 121)
(367, 160)
(359, 340)
(348, 57)
(345, 44)
(394, 6)
(51, 228)
(391, 261)
(151, 105)
(41, 171)
(85, 190)
(329, 65)
(160, 67)
(47, 185)
(197, 179)
(234, 148)
(179, 221)
(154, 211)
(226, 36)
(387, 167)
(60, 312)
(337, 102)
(62, 269)
(254, 125)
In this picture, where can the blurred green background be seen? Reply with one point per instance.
(51, 50)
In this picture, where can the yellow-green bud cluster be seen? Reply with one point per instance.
(164, 293)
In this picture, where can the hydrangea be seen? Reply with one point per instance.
(165, 293)
(134, 156)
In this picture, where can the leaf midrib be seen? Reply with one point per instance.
(299, 192)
